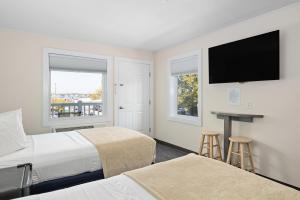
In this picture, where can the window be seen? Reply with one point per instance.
(184, 89)
(187, 94)
(75, 89)
(75, 93)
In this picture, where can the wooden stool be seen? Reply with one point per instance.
(241, 141)
(210, 136)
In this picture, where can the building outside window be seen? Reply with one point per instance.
(76, 93)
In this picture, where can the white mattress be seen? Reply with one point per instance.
(56, 155)
(116, 188)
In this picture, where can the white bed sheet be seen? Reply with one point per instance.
(116, 188)
(56, 155)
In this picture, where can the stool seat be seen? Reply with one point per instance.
(210, 133)
(240, 139)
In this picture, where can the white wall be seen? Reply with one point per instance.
(21, 79)
(277, 136)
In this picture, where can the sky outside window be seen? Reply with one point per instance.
(68, 82)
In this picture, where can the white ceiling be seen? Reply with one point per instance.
(141, 24)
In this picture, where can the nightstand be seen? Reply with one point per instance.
(15, 181)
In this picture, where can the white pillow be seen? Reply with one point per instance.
(12, 135)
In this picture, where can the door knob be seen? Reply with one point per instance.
(121, 107)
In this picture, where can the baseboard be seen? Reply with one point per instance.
(280, 182)
(174, 146)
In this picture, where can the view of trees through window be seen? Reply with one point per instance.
(187, 94)
(76, 94)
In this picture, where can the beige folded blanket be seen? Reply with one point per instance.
(194, 177)
(121, 149)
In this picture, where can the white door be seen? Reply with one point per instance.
(133, 95)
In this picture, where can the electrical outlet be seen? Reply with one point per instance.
(250, 106)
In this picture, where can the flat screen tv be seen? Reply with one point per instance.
(251, 59)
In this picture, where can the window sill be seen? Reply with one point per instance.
(80, 121)
(196, 121)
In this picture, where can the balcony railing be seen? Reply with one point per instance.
(76, 109)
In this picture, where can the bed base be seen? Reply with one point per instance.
(66, 182)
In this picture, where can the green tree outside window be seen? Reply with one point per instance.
(187, 94)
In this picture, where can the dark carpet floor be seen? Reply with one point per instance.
(166, 152)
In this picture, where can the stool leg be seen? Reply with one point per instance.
(207, 146)
(239, 152)
(229, 153)
(211, 147)
(250, 157)
(218, 148)
(202, 144)
(242, 156)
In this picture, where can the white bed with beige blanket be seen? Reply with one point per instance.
(59, 155)
(191, 177)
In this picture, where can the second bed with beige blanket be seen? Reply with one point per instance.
(194, 177)
(187, 178)
(121, 149)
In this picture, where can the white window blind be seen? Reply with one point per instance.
(76, 63)
(184, 65)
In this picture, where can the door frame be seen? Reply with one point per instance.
(117, 60)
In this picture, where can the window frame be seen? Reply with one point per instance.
(80, 120)
(172, 87)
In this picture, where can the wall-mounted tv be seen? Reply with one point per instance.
(251, 59)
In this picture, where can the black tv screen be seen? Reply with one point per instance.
(251, 59)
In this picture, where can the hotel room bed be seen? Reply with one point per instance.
(117, 187)
(59, 160)
(56, 155)
(190, 177)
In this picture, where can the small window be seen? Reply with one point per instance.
(76, 89)
(184, 89)
(187, 94)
